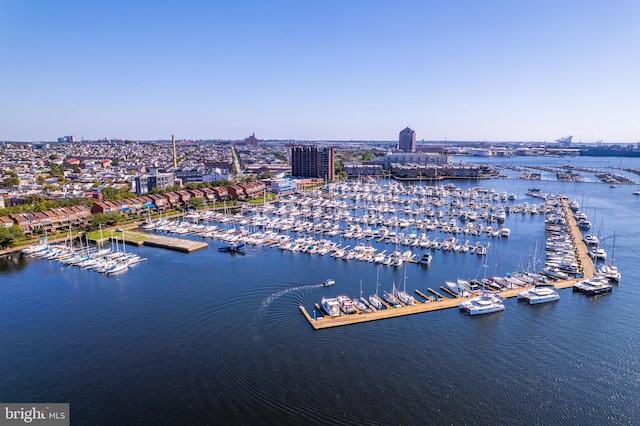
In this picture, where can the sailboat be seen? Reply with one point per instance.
(391, 298)
(405, 297)
(374, 300)
(359, 302)
(610, 271)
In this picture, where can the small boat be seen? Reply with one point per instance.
(539, 295)
(117, 267)
(636, 192)
(328, 282)
(232, 248)
(425, 259)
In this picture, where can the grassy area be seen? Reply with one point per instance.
(270, 197)
(95, 236)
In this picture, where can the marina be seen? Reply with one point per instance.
(223, 318)
(428, 304)
(395, 216)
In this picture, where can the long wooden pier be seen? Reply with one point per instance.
(162, 241)
(318, 321)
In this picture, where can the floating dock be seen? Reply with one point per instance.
(318, 321)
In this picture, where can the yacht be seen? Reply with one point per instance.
(328, 282)
(539, 295)
(346, 304)
(457, 288)
(593, 286)
(610, 272)
(331, 306)
(591, 240)
(598, 253)
(554, 273)
(584, 224)
(484, 304)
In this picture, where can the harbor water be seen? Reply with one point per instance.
(217, 338)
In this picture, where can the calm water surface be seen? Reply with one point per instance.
(214, 338)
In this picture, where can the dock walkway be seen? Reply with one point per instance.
(162, 241)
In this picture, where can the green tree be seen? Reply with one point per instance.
(196, 202)
(12, 181)
(6, 239)
(55, 171)
(16, 232)
(110, 193)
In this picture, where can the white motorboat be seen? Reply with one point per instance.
(484, 304)
(598, 253)
(119, 266)
(591, 240)
(346, 304)
(331, 306)
(539, 295)
(593, 286)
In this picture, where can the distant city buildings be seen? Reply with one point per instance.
(311, 161)
(251, 140)
(417, 158)
(71, 138)
(355, 170)
(407, 140)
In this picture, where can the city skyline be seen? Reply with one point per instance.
(463, 71)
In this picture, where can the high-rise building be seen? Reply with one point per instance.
(311, 161)
(407, 140)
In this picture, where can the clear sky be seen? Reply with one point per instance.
(483, 70)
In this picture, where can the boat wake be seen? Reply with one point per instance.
(269, 300)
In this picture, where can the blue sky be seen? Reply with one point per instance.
(320, 70)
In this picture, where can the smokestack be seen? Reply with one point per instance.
(175, 158)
